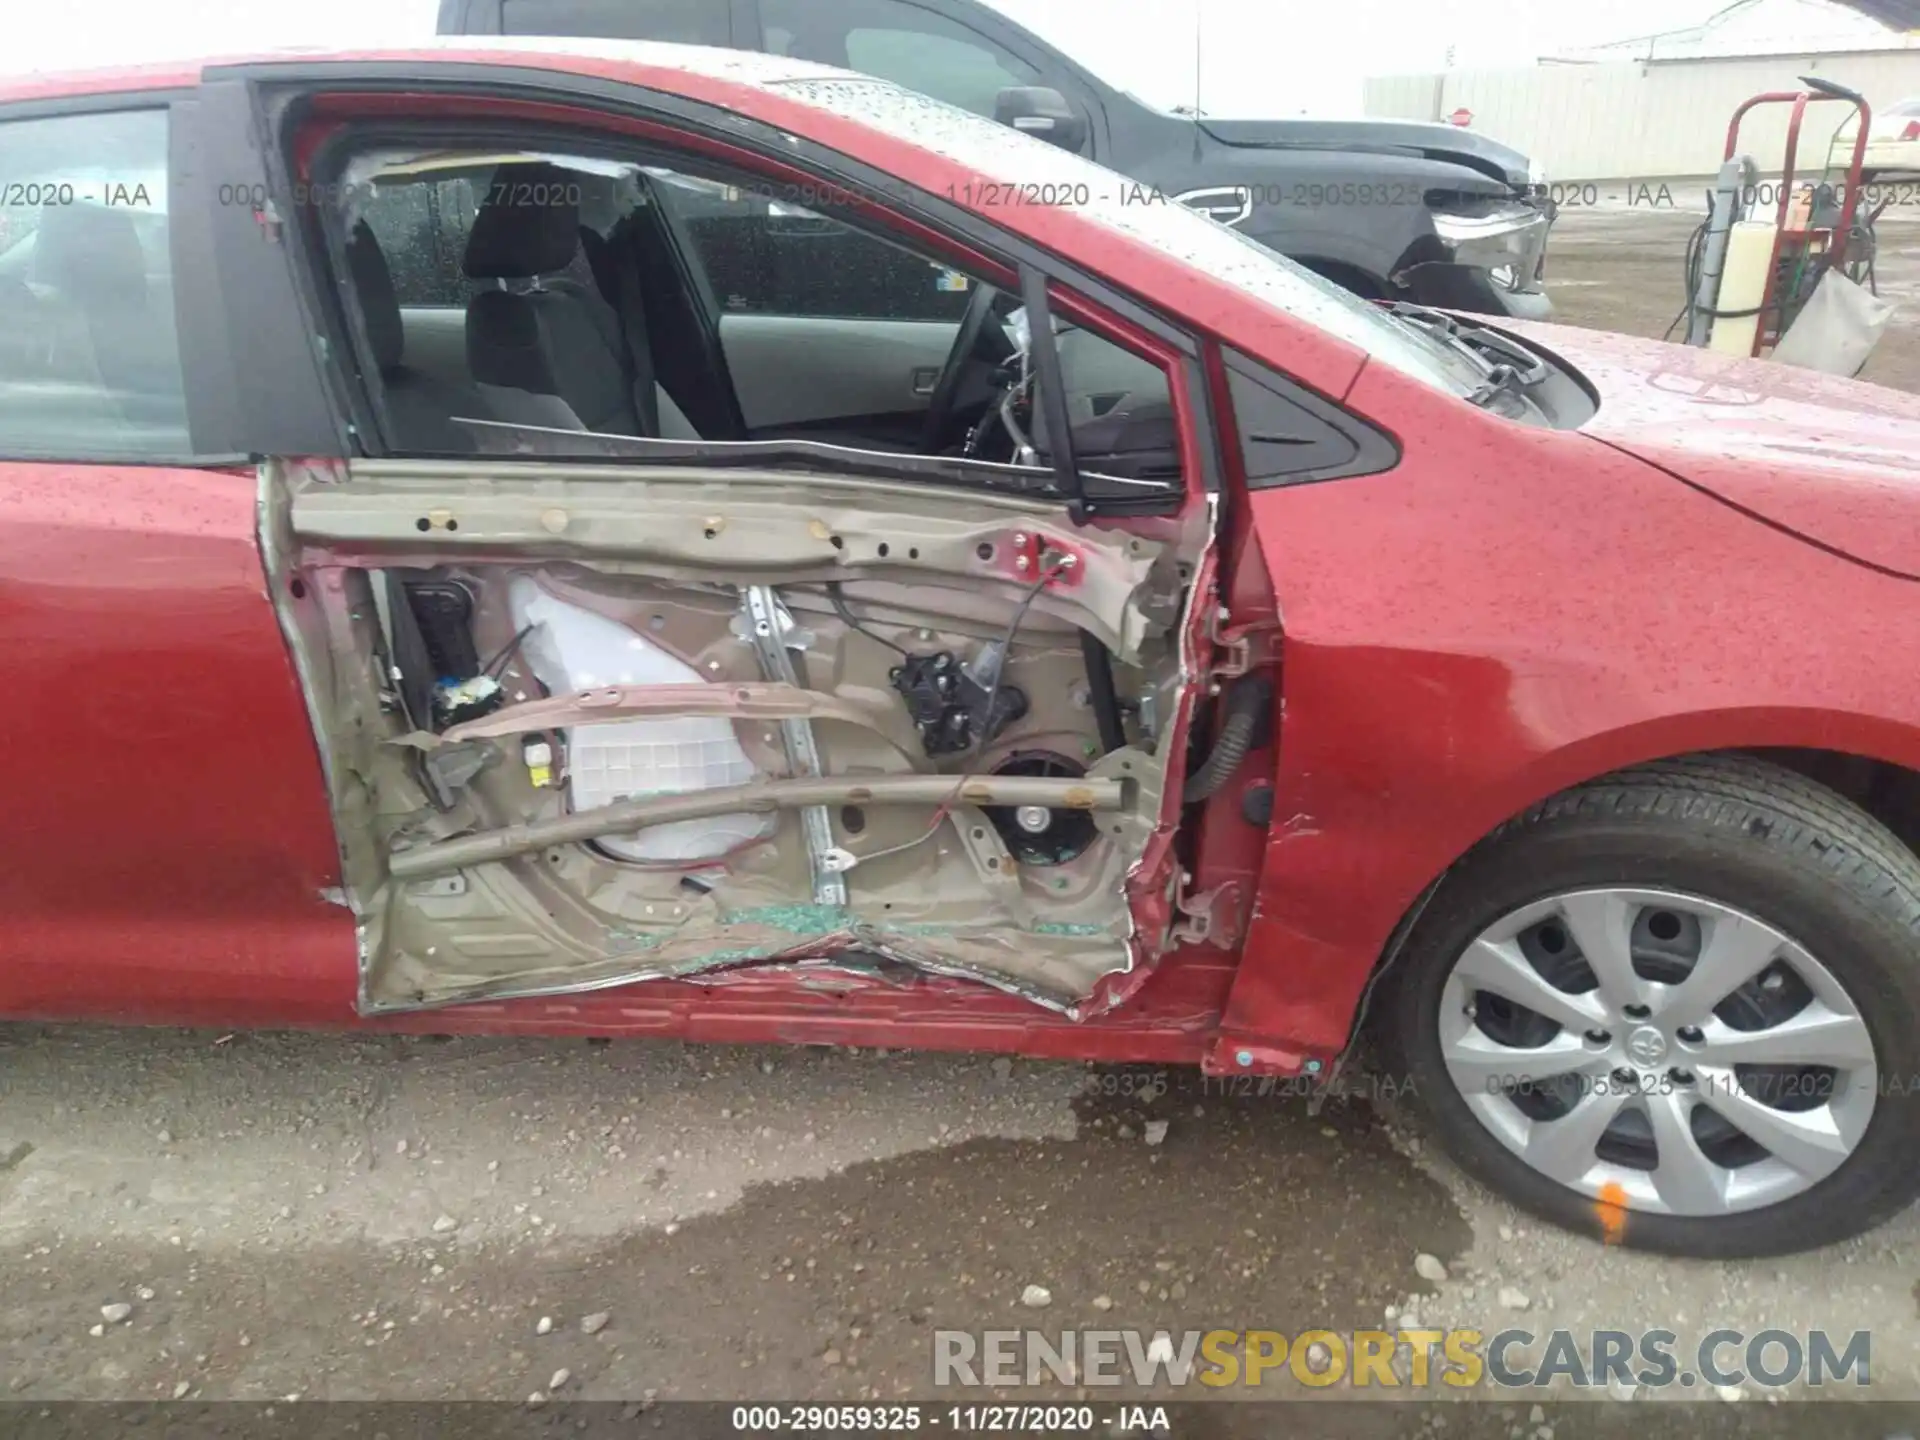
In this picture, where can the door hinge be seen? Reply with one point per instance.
(1239, 649)
(1208, 917)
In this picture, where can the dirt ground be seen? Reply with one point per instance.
(308, 1217)
(551, 1224)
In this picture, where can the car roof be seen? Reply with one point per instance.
(132, 79)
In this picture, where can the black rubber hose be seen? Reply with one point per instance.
(1248, 708)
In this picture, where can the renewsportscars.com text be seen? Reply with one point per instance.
(1388, 1359)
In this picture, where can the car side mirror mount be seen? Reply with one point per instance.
(1043, 114)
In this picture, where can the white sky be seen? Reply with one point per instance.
(1273, 57)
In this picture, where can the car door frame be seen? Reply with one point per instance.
(507, 89)
(704, 128)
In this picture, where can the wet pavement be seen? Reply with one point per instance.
(1620, 267)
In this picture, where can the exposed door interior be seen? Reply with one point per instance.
(718, 602)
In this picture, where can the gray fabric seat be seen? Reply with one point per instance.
(544, 350)
(421, 408)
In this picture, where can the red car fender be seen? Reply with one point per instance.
(1507, 613)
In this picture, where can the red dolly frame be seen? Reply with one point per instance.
(1817, 90)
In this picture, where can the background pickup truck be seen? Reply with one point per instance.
(1391, 209)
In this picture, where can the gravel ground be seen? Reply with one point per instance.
(354, 1218)
(789, 1222)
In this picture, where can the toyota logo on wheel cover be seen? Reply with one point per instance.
(1646, 1046)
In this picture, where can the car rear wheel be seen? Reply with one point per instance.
(1676, 1008)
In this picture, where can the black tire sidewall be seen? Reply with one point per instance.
(1858, 937)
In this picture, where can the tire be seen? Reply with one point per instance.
(1724, 834)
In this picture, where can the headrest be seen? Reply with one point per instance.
(91, 253)
(379, 304)
(529, 223)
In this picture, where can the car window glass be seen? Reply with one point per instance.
(89, 360)
(687, 22)
(423, 223)
(563, 304)
(423, 229)
(1290, 436)
(916, 48)
(1262, 276)
(776, 257)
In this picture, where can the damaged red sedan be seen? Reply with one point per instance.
(648, 541)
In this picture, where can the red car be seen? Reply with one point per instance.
(651, 541)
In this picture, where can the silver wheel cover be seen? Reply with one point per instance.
(1614, 1102)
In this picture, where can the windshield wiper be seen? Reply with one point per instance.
(1531, 367)
(1425, 317)
(1501, 380)
(1489, 348)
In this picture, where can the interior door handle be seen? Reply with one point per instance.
(925, 377)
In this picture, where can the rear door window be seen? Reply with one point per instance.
(89, 356)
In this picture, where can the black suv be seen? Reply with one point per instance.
(1400, 210)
